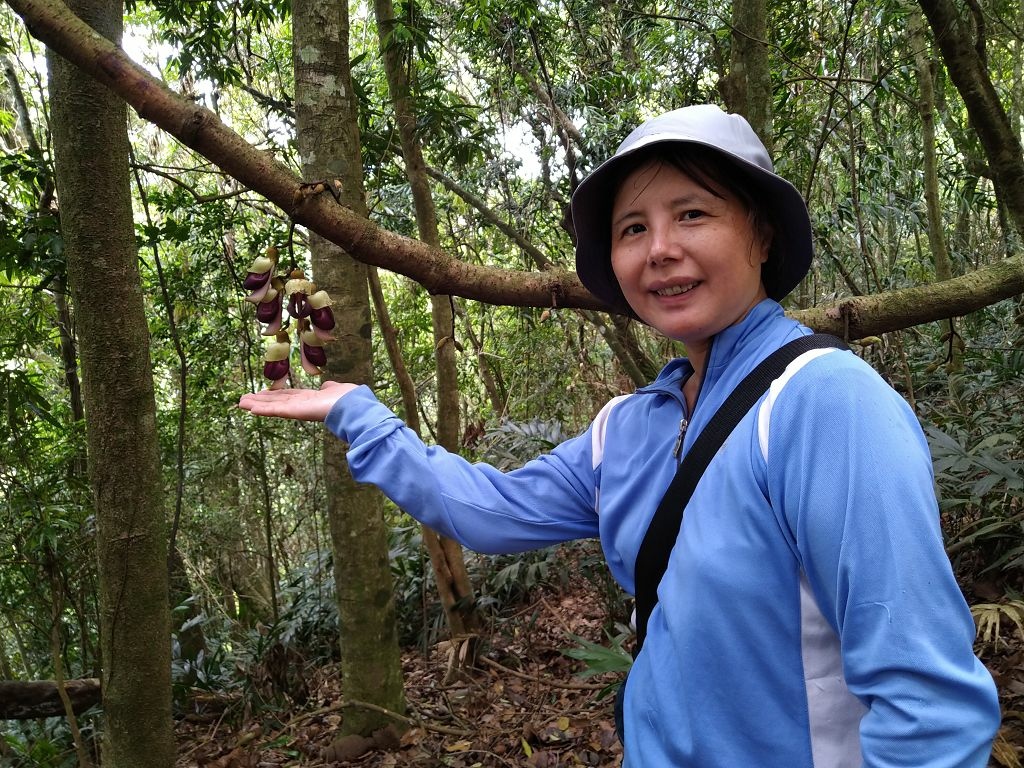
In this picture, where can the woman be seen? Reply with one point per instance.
(808, 615)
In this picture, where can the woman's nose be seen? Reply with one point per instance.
(664, 247)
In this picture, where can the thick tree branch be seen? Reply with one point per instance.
(29, 700)
(199, 128)
(862, 316)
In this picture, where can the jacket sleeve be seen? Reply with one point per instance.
(549, 500)
(850, 465)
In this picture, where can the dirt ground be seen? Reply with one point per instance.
(523, 705)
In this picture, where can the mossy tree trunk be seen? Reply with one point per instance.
(328, 141)
(446, 557)
(90, 138)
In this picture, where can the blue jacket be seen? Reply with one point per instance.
(808, 616)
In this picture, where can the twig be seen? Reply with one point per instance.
(209, 737)
(557, 616)
(412, 721)
(537, 679)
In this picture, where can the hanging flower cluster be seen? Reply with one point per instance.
(309, 307)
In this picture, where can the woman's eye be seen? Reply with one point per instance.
(690, 215)
(634, 229)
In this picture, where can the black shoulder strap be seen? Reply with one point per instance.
(652, 559)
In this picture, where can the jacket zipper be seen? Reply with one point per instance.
(678, 447)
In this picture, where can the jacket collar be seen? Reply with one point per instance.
(735, 351)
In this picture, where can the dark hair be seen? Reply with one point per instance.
(716, 173)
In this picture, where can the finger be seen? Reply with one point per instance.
(252, 400)
(276, 410)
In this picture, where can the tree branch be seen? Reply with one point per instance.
(196, 195)
(29, 700)
(198, 128)
(861, 316)
(966, 69)
(493, 218)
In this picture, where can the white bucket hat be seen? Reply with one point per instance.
(706, 125)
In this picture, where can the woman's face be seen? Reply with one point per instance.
(687, 261)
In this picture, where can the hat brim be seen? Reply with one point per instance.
(789, 258)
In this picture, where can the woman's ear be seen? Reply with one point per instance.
(765, 234)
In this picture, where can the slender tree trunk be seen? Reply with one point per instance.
(69, 358)
(23, 124)
(406, 386)
(57, 659)
(626, 333)
(917, 32)
(9, 103)
(6, 671)
(189, 633)
(453, 583)
(618, 342)
(613, 337)
(328, 141)
(191, 639)
(58, 288)
(497, 393)
(90, 140)
(434, 544)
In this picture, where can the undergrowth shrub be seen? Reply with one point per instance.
(974, 422)
(264, 667)
(47, 743)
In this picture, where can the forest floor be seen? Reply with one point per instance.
(523, 705)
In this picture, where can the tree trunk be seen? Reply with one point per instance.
(916, 30)
(618, 342)
(449, 566)
(69, 358)
(190, 635)
(747, 89)
(328, 140)
(494, 385)
(57, 657)
(23, 122)
(969, 73)
(58, 289)
(90, 139)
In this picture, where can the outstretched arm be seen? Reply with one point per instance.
(303, 404)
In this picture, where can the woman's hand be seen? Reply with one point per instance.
(304, 404)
